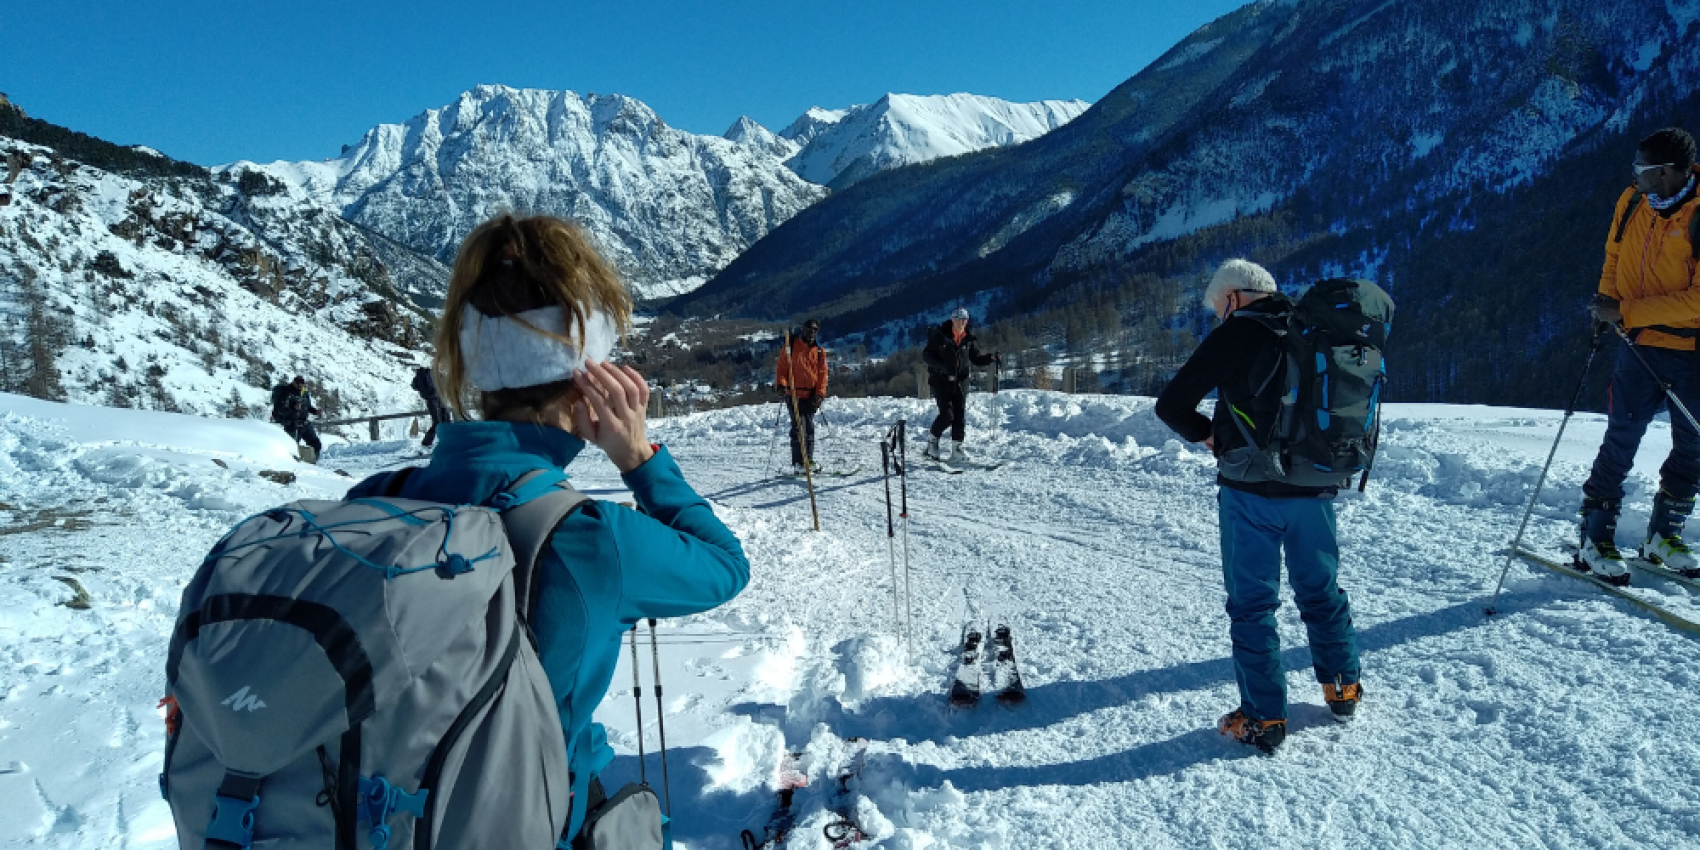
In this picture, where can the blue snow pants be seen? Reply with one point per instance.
(1632, 402)
(1255, 531)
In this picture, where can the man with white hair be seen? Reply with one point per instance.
(1242, 361)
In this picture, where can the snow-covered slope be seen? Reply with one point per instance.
(1562, 722)
(177, 291)
(670, 208)
(840, 147)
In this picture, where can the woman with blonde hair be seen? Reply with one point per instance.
(531, 316)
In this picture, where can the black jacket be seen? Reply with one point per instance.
(290, 404)
(424, 385)
(1238, 361)
(949, 360)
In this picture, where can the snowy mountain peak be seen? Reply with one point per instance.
(747, 131)
(841, 147)
(668, 207)
(812, 122)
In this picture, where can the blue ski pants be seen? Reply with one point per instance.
(1255, 532)
(1632, 401)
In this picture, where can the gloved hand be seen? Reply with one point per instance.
(1605, 310)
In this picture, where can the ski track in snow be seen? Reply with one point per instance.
(1564, 721)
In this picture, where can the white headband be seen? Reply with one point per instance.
(500, 353)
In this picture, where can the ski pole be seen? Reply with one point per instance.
(1663, 384)
(773, 441)
(890, 535)
(1593, 349)
(903, 489)
(637, 699)
(660, 715)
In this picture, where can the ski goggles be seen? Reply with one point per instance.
(1643, 169)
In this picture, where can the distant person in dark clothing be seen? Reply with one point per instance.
(291, 405)
(426, 386)
(951, 351)
(1260, 520)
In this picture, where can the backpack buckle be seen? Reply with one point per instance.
(379, 800)
(232, 821)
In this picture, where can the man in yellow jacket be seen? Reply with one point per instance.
(1651, 286)
(801, 373)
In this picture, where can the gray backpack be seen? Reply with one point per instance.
(360, 674)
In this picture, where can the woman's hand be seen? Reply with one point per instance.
(611, 417)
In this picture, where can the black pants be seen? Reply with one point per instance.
(302, 432)
(805, 408)
(439, 414)
(952, 398)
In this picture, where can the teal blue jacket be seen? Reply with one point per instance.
(608, 568)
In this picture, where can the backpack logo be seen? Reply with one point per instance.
(244, 701)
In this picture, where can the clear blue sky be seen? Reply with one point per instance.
(212, 82)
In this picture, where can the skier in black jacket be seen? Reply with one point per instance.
(291, 405)
(950, 352)
(426, 386)
(1261, 520)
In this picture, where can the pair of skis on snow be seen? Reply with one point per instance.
(960, 465)
(842, 830)
(1006, 685)
(1670, 618)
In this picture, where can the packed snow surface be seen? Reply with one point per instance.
(1564, 721)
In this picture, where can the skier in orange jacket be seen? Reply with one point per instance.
(801, 374)
(1650, 284)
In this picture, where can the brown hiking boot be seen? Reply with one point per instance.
(1265, 735)
(1342, 699)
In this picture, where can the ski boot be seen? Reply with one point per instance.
(957, 455)
(1265, 735)
(1664, 544)
(931, 452)
(1597, 554)
(1342, 700)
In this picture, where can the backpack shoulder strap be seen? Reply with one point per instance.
(1628, 213)
(533, 508)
